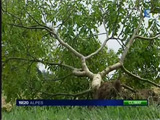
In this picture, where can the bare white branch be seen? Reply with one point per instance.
(55, 34)
(86, 69)
(110, 68)
(130, 42)
(79, 73)
(98, 50)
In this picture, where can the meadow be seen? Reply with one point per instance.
(83, 113)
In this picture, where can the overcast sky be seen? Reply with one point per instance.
(111, 44)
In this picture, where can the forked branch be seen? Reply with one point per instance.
(56, 35)
(98, 50)
(104, 43)
(119, 64)
(110, 68)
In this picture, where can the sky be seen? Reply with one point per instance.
(111, 44)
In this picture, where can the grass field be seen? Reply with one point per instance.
(83, 113)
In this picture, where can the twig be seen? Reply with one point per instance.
(150, 38)
(28, 27)
(68, 94)
(41, 61)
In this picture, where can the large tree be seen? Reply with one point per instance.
(64, 35)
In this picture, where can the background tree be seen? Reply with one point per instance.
(63, 36)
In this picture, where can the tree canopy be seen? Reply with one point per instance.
(64, 35)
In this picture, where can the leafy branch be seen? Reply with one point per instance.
(75, 71)
(37, 60)
(29, 27)
(130, 42)
(98, 50)
(142, 79)
(120, 63)
(56, 35)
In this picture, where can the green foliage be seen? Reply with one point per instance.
(77, 22)
(143, 57)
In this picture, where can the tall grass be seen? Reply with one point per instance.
(83, 113)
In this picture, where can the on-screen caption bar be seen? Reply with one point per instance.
(40, 102)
